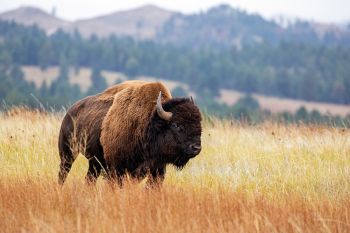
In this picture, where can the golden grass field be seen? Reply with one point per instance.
(265, 178)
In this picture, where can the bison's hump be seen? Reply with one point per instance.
(125, 123)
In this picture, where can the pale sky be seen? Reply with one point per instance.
(337, 11)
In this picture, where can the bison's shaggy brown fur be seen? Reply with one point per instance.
(124, 125)
(120, 131)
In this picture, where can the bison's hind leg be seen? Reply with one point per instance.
(67, 159)
(67, 148)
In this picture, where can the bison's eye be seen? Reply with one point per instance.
(176, 127)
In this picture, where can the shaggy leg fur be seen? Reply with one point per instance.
(115, 176)
(67, 155)
(156, 177)
(141, 172)
(95, 167)
(67, 160)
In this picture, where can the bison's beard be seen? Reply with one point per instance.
(180, 162)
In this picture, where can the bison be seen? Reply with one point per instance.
(134, 128)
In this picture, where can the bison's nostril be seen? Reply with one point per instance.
(195, 147)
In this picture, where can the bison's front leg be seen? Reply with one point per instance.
(115, 179)
(95, 167)
(141, 171)
(156, 177)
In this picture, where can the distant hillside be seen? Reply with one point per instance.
(220, 26)
(34, 16)
(224, 26)
(141, 23)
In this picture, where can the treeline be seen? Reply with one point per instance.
(300, 71)
(289, 70)
(248, 110)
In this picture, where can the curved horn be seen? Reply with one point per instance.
(161, 112)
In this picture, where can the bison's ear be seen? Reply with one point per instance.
(161, 112)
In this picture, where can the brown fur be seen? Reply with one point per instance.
(124, 124)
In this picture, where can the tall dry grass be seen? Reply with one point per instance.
(266, 178)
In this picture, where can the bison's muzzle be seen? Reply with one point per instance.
(193, 150)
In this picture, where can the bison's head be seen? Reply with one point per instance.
(176, 127)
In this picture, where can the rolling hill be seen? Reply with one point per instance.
(140, 23)
(34, 16)
(220, 26)
(224, 26)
